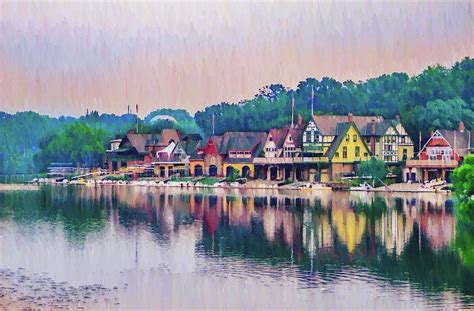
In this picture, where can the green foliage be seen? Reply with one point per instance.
(375, 169)
(439, 97)
(78, 143)
(463, 178)
(234, 176)
(464, 186)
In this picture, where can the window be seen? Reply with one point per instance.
(344, 152)
(289, 138)
(348, 137)
(337, 155)
(366, 154)
(354, 137)
(357, 152)
(270, 138)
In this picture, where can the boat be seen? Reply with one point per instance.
(313, 186)
(362, 187)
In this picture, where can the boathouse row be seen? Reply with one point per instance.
(326, 148)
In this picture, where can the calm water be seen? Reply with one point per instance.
(137, 247)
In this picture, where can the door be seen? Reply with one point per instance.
(212, 170)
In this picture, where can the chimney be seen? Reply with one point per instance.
(349, 117)
(131, 132)
(300, 121)
(461, 127)
(397, 117)
(372, 128)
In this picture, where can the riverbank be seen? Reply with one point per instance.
(209, 182)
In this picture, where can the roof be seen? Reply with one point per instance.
(297, 136)
(278, 136)
(192, 137)
(169, 134)
(381, 127)
(341, 130)
(139, 141)
(190, 143)
(327, 123)
(242, 141)
(459, 140)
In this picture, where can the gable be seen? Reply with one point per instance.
(391, 131)
(401, 130)
(338, 145)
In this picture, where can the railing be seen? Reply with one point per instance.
(432, 163)
(273, 160)
(311, 159)
(295, 160)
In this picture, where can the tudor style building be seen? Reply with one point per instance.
(347, 150)
(387, 139)
(440, 155)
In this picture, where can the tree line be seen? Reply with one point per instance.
(438, 97)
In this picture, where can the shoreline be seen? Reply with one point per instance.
(396, 188)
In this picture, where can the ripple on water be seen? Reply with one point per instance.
(20, 289)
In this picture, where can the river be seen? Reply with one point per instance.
(123, 247)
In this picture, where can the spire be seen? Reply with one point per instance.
(312, 100)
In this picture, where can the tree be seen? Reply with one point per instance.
(375, 169)
(78, 143)
(464, 187)
(463, 178)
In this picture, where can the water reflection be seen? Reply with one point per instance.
(321, 240)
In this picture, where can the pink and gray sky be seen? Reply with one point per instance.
(62, 57)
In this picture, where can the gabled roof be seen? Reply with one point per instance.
(138, 141)
(242, 141)
(327, 123)
(190, 142)
(297, 136)
(278, 136)
(381, 127)
(341, 129)
(459, 141)
(169, 134)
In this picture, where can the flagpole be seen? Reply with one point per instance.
(312, 100)
(292, 109)
(213, 124)
(137, 118)
(419, 144)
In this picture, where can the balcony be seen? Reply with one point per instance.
(432, 163)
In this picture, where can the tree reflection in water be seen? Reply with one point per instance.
(399, 237)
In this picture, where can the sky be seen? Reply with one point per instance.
(64, 57)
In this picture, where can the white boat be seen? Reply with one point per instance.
(362, 187)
